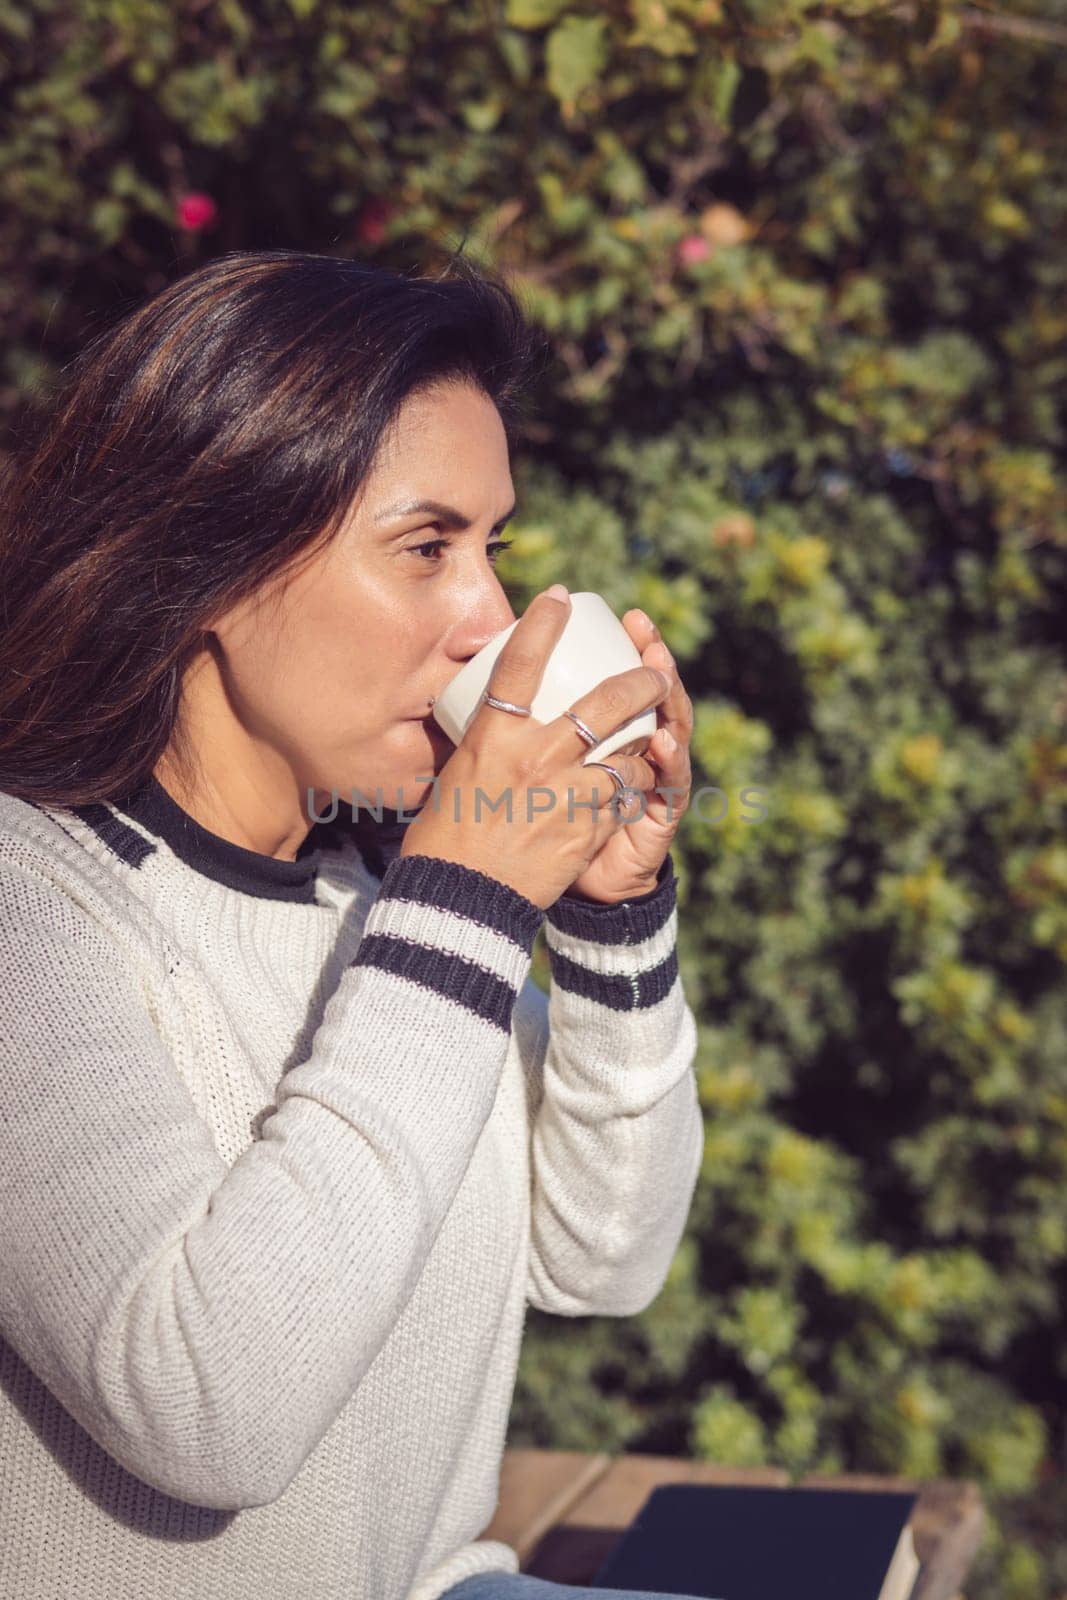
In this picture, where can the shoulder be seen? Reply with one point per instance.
(32, 840)
(57, 867)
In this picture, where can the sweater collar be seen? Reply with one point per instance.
(264, 876)
(215, 857)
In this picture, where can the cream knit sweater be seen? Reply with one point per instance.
(286, 1147)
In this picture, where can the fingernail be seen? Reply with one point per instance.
(663, 678)
(558, 591)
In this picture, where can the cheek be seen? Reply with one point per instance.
(309, 680)
(348, 629)
(340, 658)
(333, 638)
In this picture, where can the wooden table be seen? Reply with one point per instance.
(563, 1511)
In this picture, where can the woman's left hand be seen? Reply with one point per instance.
(627, 865)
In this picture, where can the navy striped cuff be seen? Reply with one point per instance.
(622, 956)
(449, 886)
(454, 931)
(621, 991)
(627, 922)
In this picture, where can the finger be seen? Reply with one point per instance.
(670, 757)
(670, 794)
(675, 710)
(641, 628)
(635, 772)
(616, 701)
(518, 669)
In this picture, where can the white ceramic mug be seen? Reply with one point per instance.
(593, 646)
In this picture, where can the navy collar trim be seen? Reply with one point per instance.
(215, 857)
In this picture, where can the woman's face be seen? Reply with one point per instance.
(330, 673)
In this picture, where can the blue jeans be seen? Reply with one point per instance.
(521, 1586)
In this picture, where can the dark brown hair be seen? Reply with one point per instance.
(212, 435)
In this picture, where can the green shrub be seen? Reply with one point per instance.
(803, 269)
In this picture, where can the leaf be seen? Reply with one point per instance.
(15, 21)
(482, 116)
(624, 178)
(726, 82)
(657, 30)
(576, 51)
(107, 217)
(533, 13)
(516, 52)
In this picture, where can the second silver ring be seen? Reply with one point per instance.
(584, 730)
(621, 786)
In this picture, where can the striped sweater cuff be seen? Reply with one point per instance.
(623, 956)
(627, 922)
(454, 931)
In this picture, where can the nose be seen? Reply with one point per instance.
(476, 625)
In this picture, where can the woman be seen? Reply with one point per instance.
(288, 1135)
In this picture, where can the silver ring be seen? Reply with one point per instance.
(584, 729)
(621, 786)
(506, 705)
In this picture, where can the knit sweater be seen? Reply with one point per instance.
(286, 1148)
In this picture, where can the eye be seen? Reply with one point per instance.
(495, 548)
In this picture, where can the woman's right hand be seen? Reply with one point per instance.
(538, 852)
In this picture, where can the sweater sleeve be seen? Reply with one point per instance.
(206, 1322)
(617, 1133)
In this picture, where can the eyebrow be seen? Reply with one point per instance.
(452, 519)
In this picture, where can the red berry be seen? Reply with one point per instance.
(196, 211)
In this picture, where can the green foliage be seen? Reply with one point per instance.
(803, 270)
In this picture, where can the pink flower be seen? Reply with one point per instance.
(694, 247)
(196, 211)
(372, 220)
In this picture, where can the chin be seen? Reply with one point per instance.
(398, 778)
